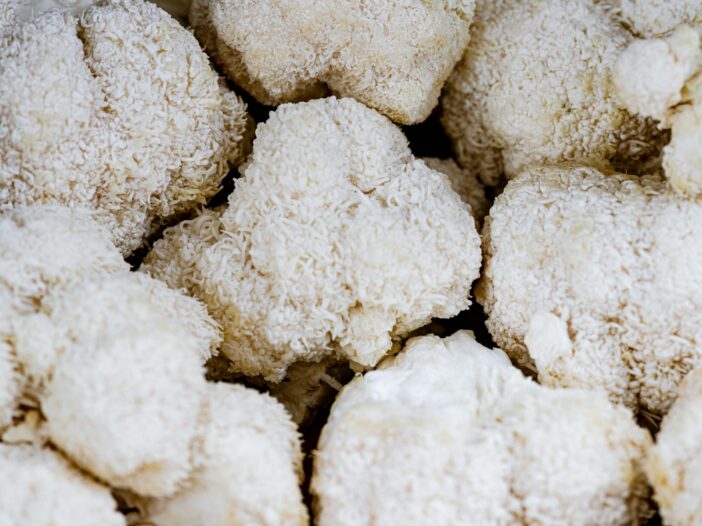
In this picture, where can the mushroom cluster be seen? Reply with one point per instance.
(350, 263)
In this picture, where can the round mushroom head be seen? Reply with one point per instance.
(534, 87)
(590, 279)
(393, 56)
(249, 466)
(117, 110)
(120, 381)
(336, 240)
(449, 432)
